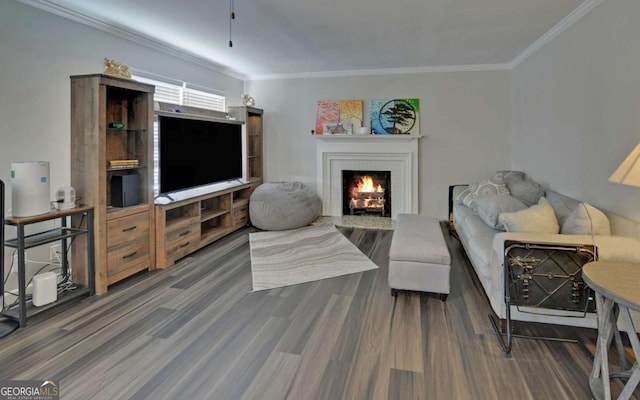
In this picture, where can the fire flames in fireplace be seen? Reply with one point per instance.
(367, 195)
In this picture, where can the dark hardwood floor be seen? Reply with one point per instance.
(196, 331)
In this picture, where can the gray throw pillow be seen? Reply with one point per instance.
(527, 191)
(585, 219)
(511, 177)
(493, 185)
(561, 204)
(490, 206)
(538, 219)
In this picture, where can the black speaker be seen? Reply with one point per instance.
(125, 190)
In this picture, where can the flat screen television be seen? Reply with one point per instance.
(194, 152)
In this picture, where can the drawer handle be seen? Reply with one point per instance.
(185, 233)
(184, 245)
(129, 255)
(130, 229)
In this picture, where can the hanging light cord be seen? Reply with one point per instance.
(232, 17)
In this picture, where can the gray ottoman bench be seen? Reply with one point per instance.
(418, 258)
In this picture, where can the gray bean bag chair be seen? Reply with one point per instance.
(278, 206)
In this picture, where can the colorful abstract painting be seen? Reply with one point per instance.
(351, 113)
(395, 117)
(328, 112)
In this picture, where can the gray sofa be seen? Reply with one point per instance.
(483, 226)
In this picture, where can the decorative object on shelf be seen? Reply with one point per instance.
(363, 130)
(115, 68)
(351, 112)
(123, 164)
(328, 112)
(337, 129)
(395, 117)
(248, 100)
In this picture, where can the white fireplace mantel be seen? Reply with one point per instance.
(395, 153)
(368, 138)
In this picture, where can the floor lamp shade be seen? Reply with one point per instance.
(628, 173)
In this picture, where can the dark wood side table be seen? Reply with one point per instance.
(64, 234)
(617, 289)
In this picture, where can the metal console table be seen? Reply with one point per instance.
(540, 277)
(64, 234)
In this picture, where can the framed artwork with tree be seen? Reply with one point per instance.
(395, 117)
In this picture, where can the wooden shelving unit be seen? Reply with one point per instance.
(112, 120)
(253, 119)
(185, 226)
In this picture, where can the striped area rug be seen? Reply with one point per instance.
(283, 258)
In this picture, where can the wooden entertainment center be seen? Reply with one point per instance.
(112, 124)
(183, 227)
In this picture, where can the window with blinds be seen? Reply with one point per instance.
(184, 95)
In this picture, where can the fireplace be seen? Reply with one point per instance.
(397, 154)
(366, 193)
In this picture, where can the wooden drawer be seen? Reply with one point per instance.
(127, 246)
(241, 215)
(182, 245)
(127, 260)
(122, 231)
(180, 227)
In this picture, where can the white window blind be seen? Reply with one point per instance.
(197, 98)
(182, 95)
(165, 92)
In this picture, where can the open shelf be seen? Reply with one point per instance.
(110, 169)
(187, 225)
(50, 236)
(214, 228)
(125, 130)
(253, 119)
(207, 215)
(64, 297)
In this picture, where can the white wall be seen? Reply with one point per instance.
(576, 107)
(39, 51)
(464, 115)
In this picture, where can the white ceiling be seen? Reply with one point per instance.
(289, 37)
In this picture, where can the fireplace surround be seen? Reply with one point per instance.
(395, 153)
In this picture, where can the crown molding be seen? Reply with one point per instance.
(387, 71)
(131, 36)
(577, 14)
